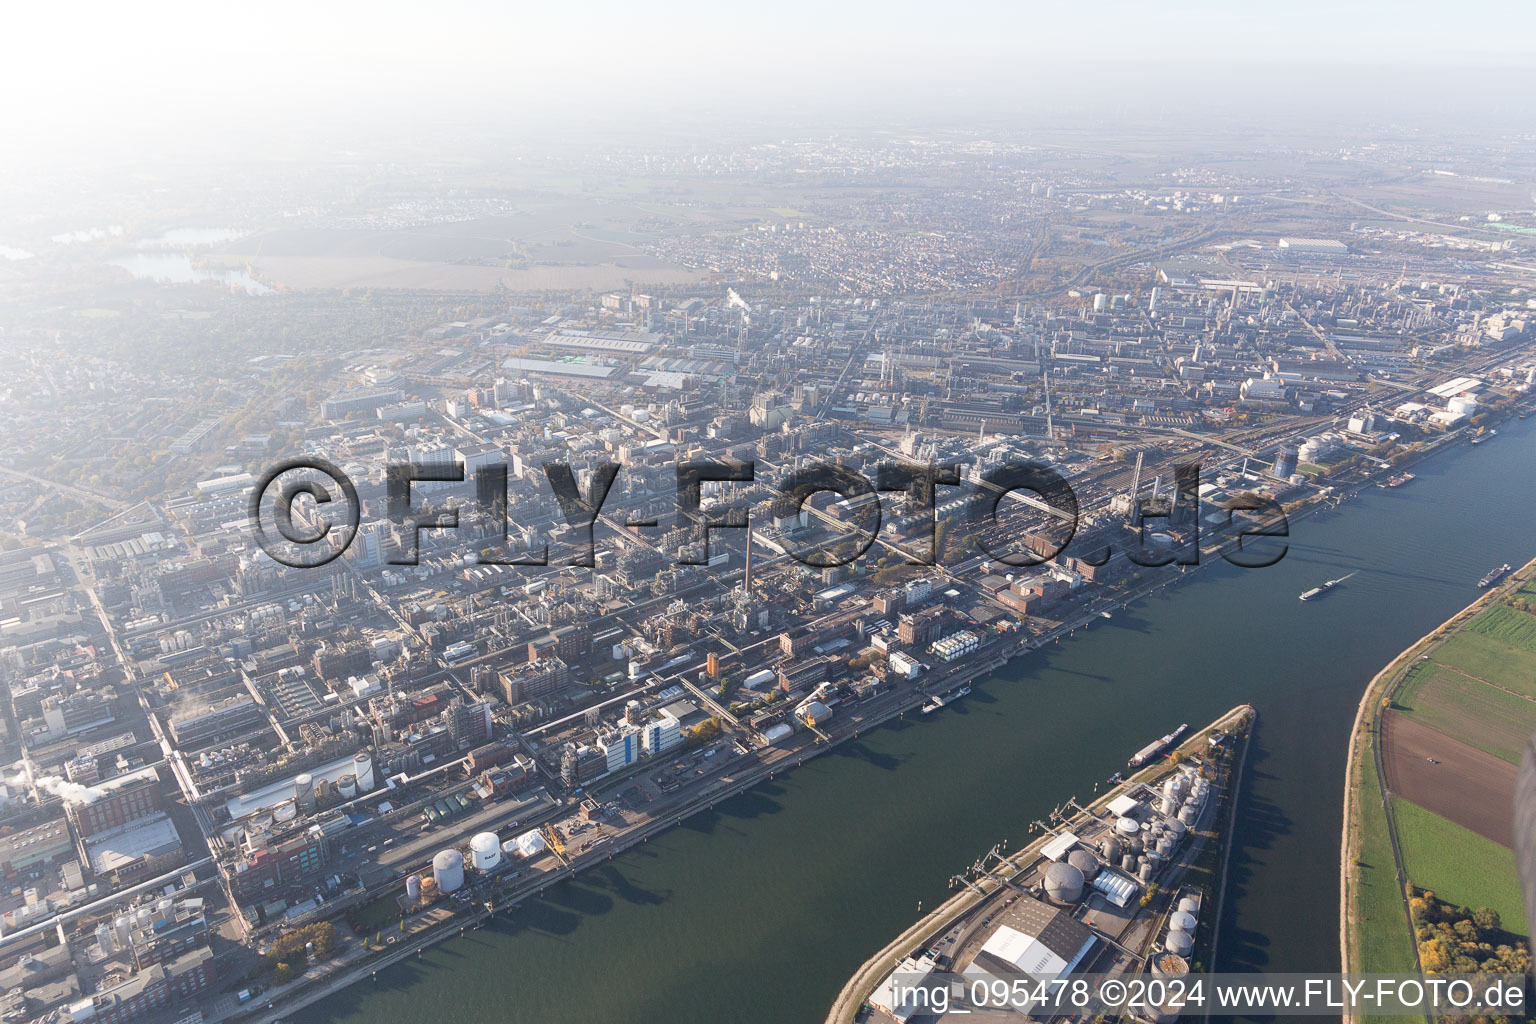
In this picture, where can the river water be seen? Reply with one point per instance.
(760, 910)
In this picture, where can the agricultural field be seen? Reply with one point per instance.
(1461, 866)
(1380, 932)
(1486, 657)
(1507, 625)
(1461, 707)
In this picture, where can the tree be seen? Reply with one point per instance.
(282, 973)
(1487, 919)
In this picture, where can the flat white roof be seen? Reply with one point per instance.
(1060, 846)
(1122, 805)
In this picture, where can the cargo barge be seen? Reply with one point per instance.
(1151, 750)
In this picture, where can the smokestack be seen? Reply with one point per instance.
(746, 579)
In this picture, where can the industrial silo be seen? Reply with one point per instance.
(1168, 805)
(104, 938)
(485, 851)
(362, 770)
(1165, 847)
(1146, 871)
(304, 792)
(1179, 941)
(122, 929)
(1063, 883)
(448, 870)
(1182, 921)
(413, 888)
(347, 786)
(1085, 862)
(1109, 846)
(1189, 905)
(1128, 863)
(1188, 815)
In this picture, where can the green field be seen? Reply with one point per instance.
(1484, 716)
(1462, 867)
(1480, 655)
(1381, 932)
(1507, 625)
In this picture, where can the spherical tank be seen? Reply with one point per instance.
(485, 848)
(1063, 883)
(448, 870)
(1085, 862)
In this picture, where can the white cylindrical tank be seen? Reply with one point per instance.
(485, 851)
(413, 887)
(104, 938)
(448, 870)
(1127, 826)
(304, 792)
(1164, 847)
(1168, 805)
(362, 768)
(122, 928)
(1189, 905)
(164, 909)
(1187, 815)
(1184, 922)
(1180, 942)
(1128, 863)
(1177, 828)
(1145, 871)
(347, 786)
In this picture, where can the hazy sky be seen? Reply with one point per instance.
(132, 72)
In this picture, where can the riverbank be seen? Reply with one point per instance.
(850, 1000)
(793, 877)
(1371, 857)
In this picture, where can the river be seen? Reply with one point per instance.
(760, 911)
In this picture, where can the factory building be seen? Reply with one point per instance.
(1038, 941)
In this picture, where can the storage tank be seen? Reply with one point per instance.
(448, 870)
(1164, 847)
(285, 811)
(362, 770)
(1127, 826)
(413, 888)
(1189, 905)
(347, 785)
(1128, 863)
(1085, 862)
(104, 938)
(165, 909)
(1177, 828)
(1145, 871)
(1179, 941)
(1170, 965)
(1187, 815)
(1109, 846)
(1168, 805)
(1063, 883)
(304, 792)
(122, 928)
(1182, 920)
(485, 850)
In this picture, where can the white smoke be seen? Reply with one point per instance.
(69, 792)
